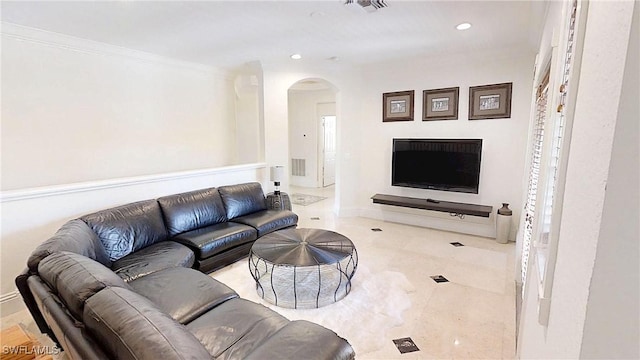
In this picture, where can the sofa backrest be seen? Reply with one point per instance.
(242, 199)
(131, 327)
(192, 210)
(74, 236)
(75, 278)
(127, 228)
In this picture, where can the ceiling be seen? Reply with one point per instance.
(228, 34)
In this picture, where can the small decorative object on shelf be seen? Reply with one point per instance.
(503, 224)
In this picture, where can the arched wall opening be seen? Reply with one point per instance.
(312, 133)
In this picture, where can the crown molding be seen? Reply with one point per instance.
(72, 43)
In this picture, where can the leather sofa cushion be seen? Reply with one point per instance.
(293, 340)
(269, 220)
(76, 278)
(242, 199)
(215, 239)
(160, 256)
(125, 229)
(234, 328)
(192, 292)
(192, 210)
(68, 331)
(74, 236)
(129, 326)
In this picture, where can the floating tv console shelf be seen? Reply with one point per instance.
(435, 205)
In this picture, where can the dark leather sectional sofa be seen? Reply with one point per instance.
(122, 283)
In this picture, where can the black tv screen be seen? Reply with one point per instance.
(437, 164)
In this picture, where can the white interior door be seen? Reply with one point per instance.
(329, 150)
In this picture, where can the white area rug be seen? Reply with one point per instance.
(304, 199)
(375, 305)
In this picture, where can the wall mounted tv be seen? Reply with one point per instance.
(437, 164)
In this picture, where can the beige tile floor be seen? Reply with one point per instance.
(470, 317)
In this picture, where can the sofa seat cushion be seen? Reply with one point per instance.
(192, 210)
(234, 328)
(130, 326)
(76, 278)
(128, 228)
(192, 292)
(267, 221)
(215, 239)
(160, 256)
(293, 340)
(242, 199)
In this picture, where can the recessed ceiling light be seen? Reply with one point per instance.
(296, 56)
(463, 26)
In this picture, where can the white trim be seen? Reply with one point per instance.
(4, 298)
(45, 191)
(72, 43)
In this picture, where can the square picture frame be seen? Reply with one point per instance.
(398, 106)
(490, 101)
(440, 104)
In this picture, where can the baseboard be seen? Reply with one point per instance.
(10, 303)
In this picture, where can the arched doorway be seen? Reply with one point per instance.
(312, 133)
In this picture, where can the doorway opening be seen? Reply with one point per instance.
(312, 133)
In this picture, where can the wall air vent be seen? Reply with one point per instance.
(298, 167)
(367, 5)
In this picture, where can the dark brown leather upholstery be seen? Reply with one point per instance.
(76, 278)
(127, 228)
(214, 239)
(192, 292)
(232, 329)
(269, 220)
(192, 210)
(74, 236)
(242, 199)
(159, 256)
(292, 340)
(131, 327)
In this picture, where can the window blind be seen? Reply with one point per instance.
(534, 170)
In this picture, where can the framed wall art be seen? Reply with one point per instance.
(397, 106)
(440, 104)
(490, 101)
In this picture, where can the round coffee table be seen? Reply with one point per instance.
(303, 268)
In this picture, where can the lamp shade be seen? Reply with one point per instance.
(277, 173)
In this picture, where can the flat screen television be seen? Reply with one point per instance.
(437, 164)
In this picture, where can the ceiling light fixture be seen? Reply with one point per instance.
(463, 26)
(296, 56)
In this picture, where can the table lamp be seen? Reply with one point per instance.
(277, 174)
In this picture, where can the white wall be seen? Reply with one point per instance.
(504, 140)
(248, 116)
(581, 295)
(304, 131)
(75, 110)
(612, 324)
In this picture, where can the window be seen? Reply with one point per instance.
(550, 147)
